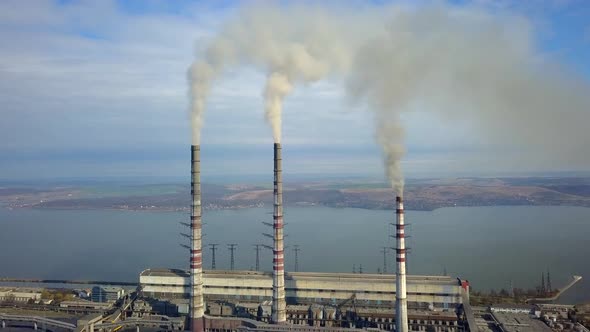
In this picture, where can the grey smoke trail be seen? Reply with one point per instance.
(293, 44)
(390, 134)
(277, 87)
(200, 76)
(469, 65)
(459, 62)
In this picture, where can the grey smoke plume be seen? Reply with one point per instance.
(277, 87)
(293, 45)
(390, 134)
(466, 64)
(460, 62)
(200, 76)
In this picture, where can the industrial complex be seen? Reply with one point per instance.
(231, 300)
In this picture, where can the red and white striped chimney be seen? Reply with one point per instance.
(196, 305)
(401, 304)
(278, 285)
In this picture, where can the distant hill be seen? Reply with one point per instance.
(427, 194)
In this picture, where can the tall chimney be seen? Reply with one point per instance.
(197, 309)
(401, 303)
(278, 262)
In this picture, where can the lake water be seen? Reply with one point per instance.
(490, 246)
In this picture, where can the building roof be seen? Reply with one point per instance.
(20, 291)
(511, 322)
(365, 277)
(80, 302)
(165, 273)
(516, 306)
(109, 288)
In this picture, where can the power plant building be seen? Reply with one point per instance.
(433, 296)
(306, 287)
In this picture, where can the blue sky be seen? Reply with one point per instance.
(98, 88)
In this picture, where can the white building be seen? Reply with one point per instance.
(19, 294)
(304, 287)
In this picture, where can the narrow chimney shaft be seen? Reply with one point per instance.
(401, 305)
(278, 294)
(196, 261)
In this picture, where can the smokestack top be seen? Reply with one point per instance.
(399, 199)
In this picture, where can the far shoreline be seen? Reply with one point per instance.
(187, 210)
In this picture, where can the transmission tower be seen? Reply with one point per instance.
(548, 282)
(296, 249)
(361, 268)
(213, 247)
(384, 251)
(232, 247)
(257, 249)
(543, 288)
(353, 268)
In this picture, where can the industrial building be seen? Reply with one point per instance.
(317, 299)
(106, 293)
(306, 287)
(19, 294)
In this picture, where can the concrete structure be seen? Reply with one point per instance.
(86, 320)
(401, 305)
(196, 261)
(153, 323)
(34, 322)
(106, 293)
(306, 287)
(278, 261)
(19, 294)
